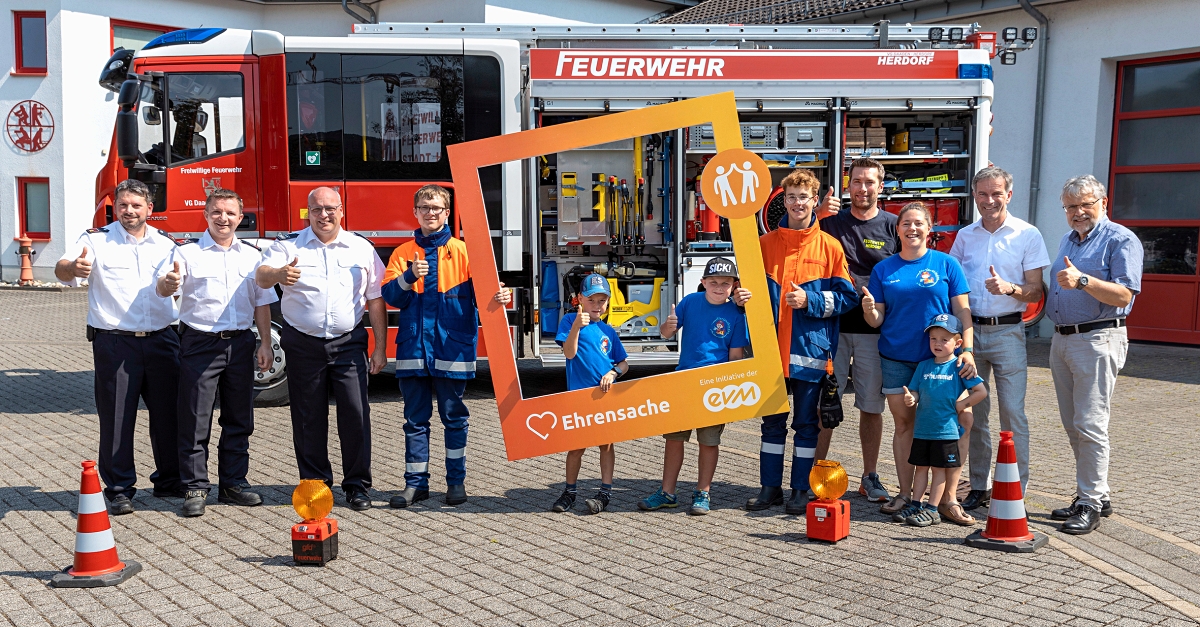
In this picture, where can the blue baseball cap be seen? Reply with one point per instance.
(945, 321)
(594, 284)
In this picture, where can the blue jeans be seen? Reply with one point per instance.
(418, 409)
(896, 374)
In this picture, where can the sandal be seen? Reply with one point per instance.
(955, 513)
(896, 504)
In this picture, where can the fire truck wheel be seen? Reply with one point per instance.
(271, 387)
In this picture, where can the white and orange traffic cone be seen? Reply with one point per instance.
(96, 562)
(1007, 525)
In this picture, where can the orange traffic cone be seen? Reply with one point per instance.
(96, 562)
(1007, 526)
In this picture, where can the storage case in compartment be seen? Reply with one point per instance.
(951, 140)
(760, 135)
(803, 135)
(701, 138)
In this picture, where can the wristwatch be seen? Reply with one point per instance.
(616, 373)
(1012, 289)
(1083, 282)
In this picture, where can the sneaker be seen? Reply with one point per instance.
(908, 510)
(873, 489)
(700, 503)
(564, 503)
(658, 500)
(598, 503)
(925, 516)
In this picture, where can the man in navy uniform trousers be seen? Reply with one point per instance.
(330, 278)
(135, 350)
(218, 302)
(429, 280)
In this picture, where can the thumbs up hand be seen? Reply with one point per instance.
(1068, 277)
(82, 267)
(582, 318)
(419, 266)
(996, 285)
(672, 319)
(290, 273)
(796, 299)
(830, 205)
(910, 400)
(741, 296)
(504, 295)
(868, 301)
(172, 280)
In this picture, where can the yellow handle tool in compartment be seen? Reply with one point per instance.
(620, 312)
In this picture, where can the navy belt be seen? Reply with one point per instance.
(224, 335)
(1071, 329)
(129, 333)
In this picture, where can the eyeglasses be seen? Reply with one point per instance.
(324, 210)
(1087, 206)
(430, 210)
(792, 199)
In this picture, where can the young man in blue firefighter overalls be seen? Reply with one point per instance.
(429, 280)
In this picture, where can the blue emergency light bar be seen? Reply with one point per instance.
(185, 36)
(975, 70)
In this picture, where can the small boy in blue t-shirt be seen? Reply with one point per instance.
(934, 390)
(595, 357)
(716, 333)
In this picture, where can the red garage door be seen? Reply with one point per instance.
(1155, 190)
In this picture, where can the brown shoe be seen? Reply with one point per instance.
(896, 504)
(955, 513)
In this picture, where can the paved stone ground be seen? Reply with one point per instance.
(502, 559)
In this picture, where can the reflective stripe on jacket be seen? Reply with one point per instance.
(815, 261)
(438, 330)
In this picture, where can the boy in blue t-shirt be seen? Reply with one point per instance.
(716, 333)
(595, 357)
(934, 391)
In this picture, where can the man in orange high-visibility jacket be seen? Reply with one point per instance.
(810, 287)
(429, 280)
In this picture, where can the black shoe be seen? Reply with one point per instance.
(408, 497)
(1064, 513)
(171, 493)
(976, 499)
(564, 503)
(120, 505)
(1085, 519)
(239, 495)
(769, 496)
(357, 499)
(456, 494)
(598, 503)
(798, 504)
(193, 503)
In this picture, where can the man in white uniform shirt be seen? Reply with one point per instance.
(330, 277)
(218, 302)
(1002, 257)
(134, 348)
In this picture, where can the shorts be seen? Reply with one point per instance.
(896, 374)
(934, 453)
(864, 370)
(706, 436)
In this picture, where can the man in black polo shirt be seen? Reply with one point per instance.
(868, 236)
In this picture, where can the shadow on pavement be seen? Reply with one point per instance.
(47, 391)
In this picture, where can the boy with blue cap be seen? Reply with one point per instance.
(595, 357)
(934, 390)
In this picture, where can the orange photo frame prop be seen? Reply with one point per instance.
(638, 408)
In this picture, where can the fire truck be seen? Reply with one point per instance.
(272, 117)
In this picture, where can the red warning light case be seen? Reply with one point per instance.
(315, 542)
(828, 521)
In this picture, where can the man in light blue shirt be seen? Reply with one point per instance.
(1097, 274)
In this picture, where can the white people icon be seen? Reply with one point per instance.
(722, 187)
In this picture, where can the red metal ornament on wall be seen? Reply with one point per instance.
(30, 126)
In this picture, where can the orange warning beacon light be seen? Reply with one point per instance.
(828, 517)
(314, 541)
(96, 562)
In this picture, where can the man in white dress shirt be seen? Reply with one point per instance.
(1002, 257)
(330, 277)
(218, 302)
(134, 348)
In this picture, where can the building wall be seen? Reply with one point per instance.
(78, 42)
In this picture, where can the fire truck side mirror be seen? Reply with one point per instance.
(127, 122)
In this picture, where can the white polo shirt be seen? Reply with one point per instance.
(336, 281)
(217, 292)
(1015, 247)
(121, 294)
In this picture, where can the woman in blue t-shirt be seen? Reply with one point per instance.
(913, 287)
